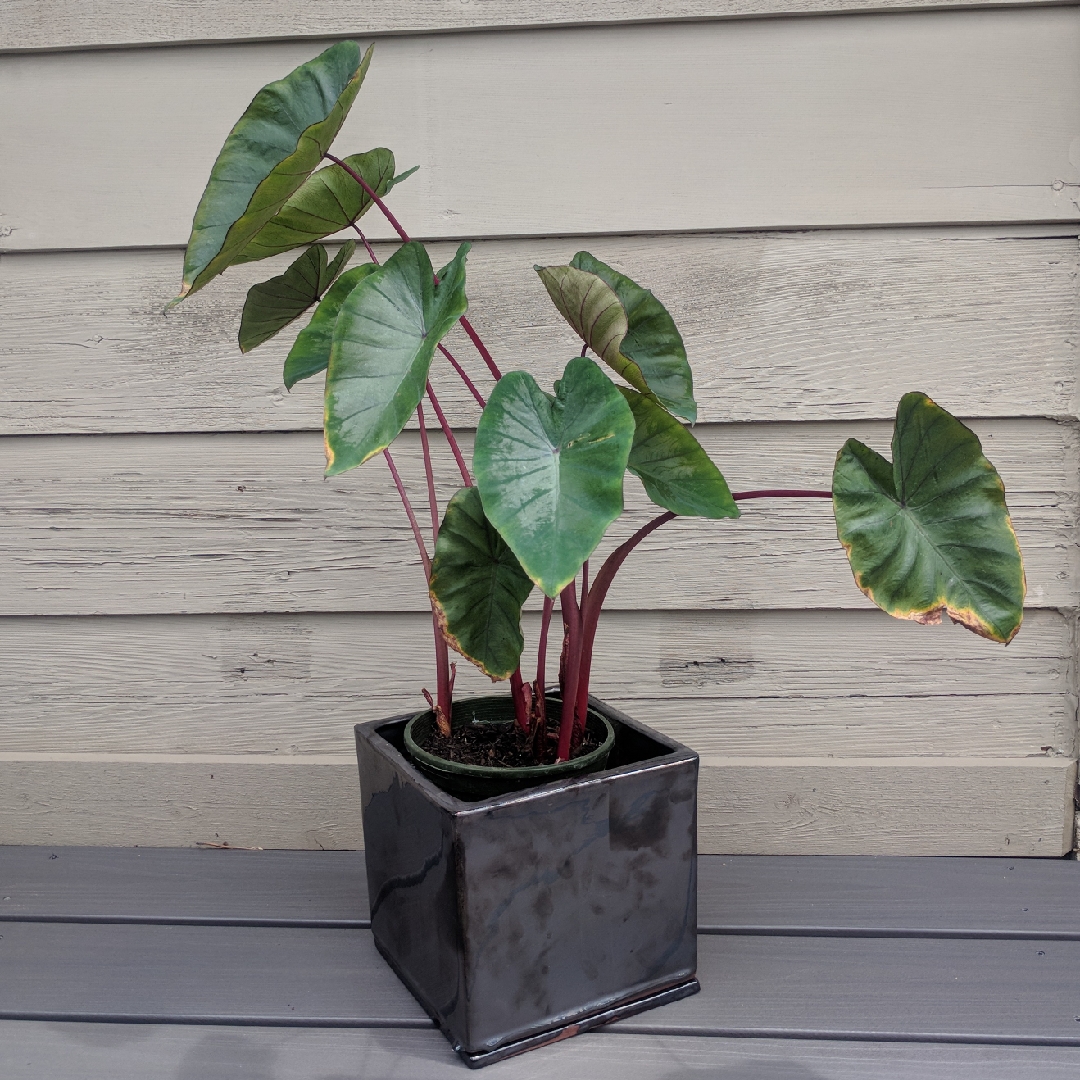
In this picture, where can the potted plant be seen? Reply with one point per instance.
(531, 857)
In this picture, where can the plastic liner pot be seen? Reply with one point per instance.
(481, 781)
(524, 918)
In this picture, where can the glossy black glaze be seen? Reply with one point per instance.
(536, 911)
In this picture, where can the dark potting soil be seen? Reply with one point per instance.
(501, 745)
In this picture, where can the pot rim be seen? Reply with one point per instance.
(537, 773)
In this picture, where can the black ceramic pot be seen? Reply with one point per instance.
(523, 918)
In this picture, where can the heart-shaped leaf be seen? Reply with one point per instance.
(310, 353)
(478, 587)
(384, 338)
(677, 473)
(327, 202)
(626, 326)
(272, 305)
(930, 532)
(550, 470)
(274, 146)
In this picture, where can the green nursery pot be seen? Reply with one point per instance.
(485, 781)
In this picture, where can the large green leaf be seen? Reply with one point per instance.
(626, 326)
(677, 473)
(478, 587)
(550, 470)
(272, 305)
(327, 202)
(384, 338)
(930, 532)
(275, 145)
(310, 353)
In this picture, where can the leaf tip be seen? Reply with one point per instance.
(176, 299)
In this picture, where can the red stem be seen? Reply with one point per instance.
(429, 473)
(541, 662)
(371, 195)
(449, 433)
(367, 246)
(442, 659)
(571, 614)
(442, 676)
(481, 348)
(464, 377)
(598, 592)
(517, 693)
(442, 654)
(409, 511)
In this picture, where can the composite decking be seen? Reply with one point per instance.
(187, 964)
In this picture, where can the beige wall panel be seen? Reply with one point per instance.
(765, 806)
(914, 118)
(74, 24)
(778, 327)
(844, 807)
(759, 683)
(232, 523)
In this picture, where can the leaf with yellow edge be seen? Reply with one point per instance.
(273, 148)
(931, 532)
(478, 587)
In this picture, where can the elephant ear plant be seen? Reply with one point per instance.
(927, 532)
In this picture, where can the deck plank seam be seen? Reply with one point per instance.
(887, 932)
(621, 1028)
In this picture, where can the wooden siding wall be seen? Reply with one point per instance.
(836, 209)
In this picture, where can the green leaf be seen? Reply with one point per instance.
(639, 340)
(931, 532)
(272, 305)
(384, 338)
(478, 588)
(550, 470)
(310, 353)
(677, 473)
(274, 146)
(327, 202)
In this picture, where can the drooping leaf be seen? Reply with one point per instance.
(677, 473)
(269, 153)
(550, 470)
(272, 305)
(478, 588)
(328, 201)
(626, 326)
(310, 353)
(384, 338)
(931, 532)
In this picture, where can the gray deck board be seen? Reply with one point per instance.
(186, 964)
(194, 884)
(908, 988)
(43, 1051)
(831, 893)
(826, 894)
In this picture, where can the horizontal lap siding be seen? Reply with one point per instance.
(246, 522)
(747, 683)
(73, 24)
(891, 119)
(773, 806)
(192, 618)
(814, 326)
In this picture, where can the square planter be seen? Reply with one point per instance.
(528, 917)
